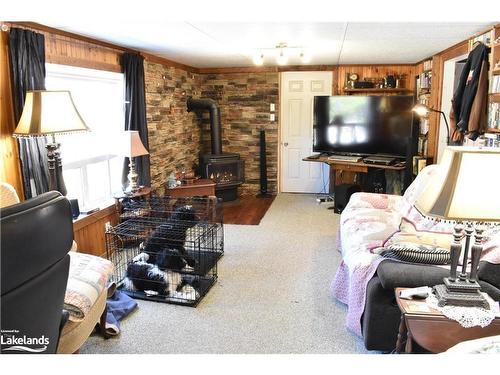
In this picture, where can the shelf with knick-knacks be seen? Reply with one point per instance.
(390, 84)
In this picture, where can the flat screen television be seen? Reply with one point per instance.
(363, 125)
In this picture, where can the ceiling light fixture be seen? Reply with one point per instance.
(282, 52)
(305, 57)
(281, 58)
(258, 59)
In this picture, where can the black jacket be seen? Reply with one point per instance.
(467, 93)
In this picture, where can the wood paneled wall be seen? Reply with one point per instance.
(89, 232)
(376, 71)
(68, 51)
(10, 170)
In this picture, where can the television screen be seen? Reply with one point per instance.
(363, 125)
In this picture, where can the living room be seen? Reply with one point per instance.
(258, 185)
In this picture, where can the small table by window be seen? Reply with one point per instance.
(142, 193)
(433, 331)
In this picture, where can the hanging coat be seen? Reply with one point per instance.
(469, 103)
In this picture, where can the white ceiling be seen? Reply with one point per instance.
(231, 44)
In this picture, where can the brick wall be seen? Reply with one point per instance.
(176, 137)
(174, 134)
(244, 100)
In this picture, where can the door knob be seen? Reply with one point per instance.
(285, 144)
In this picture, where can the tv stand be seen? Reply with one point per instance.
(354, 167)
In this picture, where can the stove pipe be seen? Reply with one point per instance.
(215, 127)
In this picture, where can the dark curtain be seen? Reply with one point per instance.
(135, 113)
(27, 61)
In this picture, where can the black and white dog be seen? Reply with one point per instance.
(165, 246)
(147, 277)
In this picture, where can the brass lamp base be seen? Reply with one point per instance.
(467, 297)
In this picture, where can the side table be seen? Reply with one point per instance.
(433, 331)
(200, 187)
(142, 193)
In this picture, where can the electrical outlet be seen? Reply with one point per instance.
(271, 117)
(272, 107)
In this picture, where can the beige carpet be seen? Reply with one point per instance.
(272, 295)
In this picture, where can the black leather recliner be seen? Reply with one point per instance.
(36, 237)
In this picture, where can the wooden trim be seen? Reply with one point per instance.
(51, 30)
(63, 60)
(164, 61)
(111, 46)
(267, 69)
(87, 220)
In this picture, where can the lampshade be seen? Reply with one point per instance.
(465, 186)
(49, 112)
(131, 144)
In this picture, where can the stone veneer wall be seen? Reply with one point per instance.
(176, 137)
(244, 100)
(174, 134)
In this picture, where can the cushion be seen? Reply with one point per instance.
(415, 253)
(88, 276)
(409, 234)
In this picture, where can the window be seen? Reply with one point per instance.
(92, 172)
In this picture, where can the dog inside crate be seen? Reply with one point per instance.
(163, 253)
(167, 250)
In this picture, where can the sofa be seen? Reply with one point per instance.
(365, 281)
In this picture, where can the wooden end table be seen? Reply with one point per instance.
(142, 193)
(433, 331)
(199, 187)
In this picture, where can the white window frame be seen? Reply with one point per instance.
(71, 72)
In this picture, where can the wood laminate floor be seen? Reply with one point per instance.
(247, 210)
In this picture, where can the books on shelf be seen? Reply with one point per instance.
(427, 65)
(424, 81)
(494, 116)
(484, 38)
(495, 85)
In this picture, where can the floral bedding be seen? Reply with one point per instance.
(373, 220)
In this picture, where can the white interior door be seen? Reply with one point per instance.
(446, 96)
(297, 93)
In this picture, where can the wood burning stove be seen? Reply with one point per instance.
(227, 170)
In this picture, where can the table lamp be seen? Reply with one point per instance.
(131, 147)
(423, 111)
(50, 113)
(464, 190)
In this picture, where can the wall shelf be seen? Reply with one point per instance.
(495, 97)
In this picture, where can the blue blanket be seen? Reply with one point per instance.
(119, 306)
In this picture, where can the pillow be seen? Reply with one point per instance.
(415, 253)
(409, 234)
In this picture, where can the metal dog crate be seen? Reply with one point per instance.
(154, 234)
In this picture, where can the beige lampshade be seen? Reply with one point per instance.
(465, 186)
(49, 112)
(131, 144)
